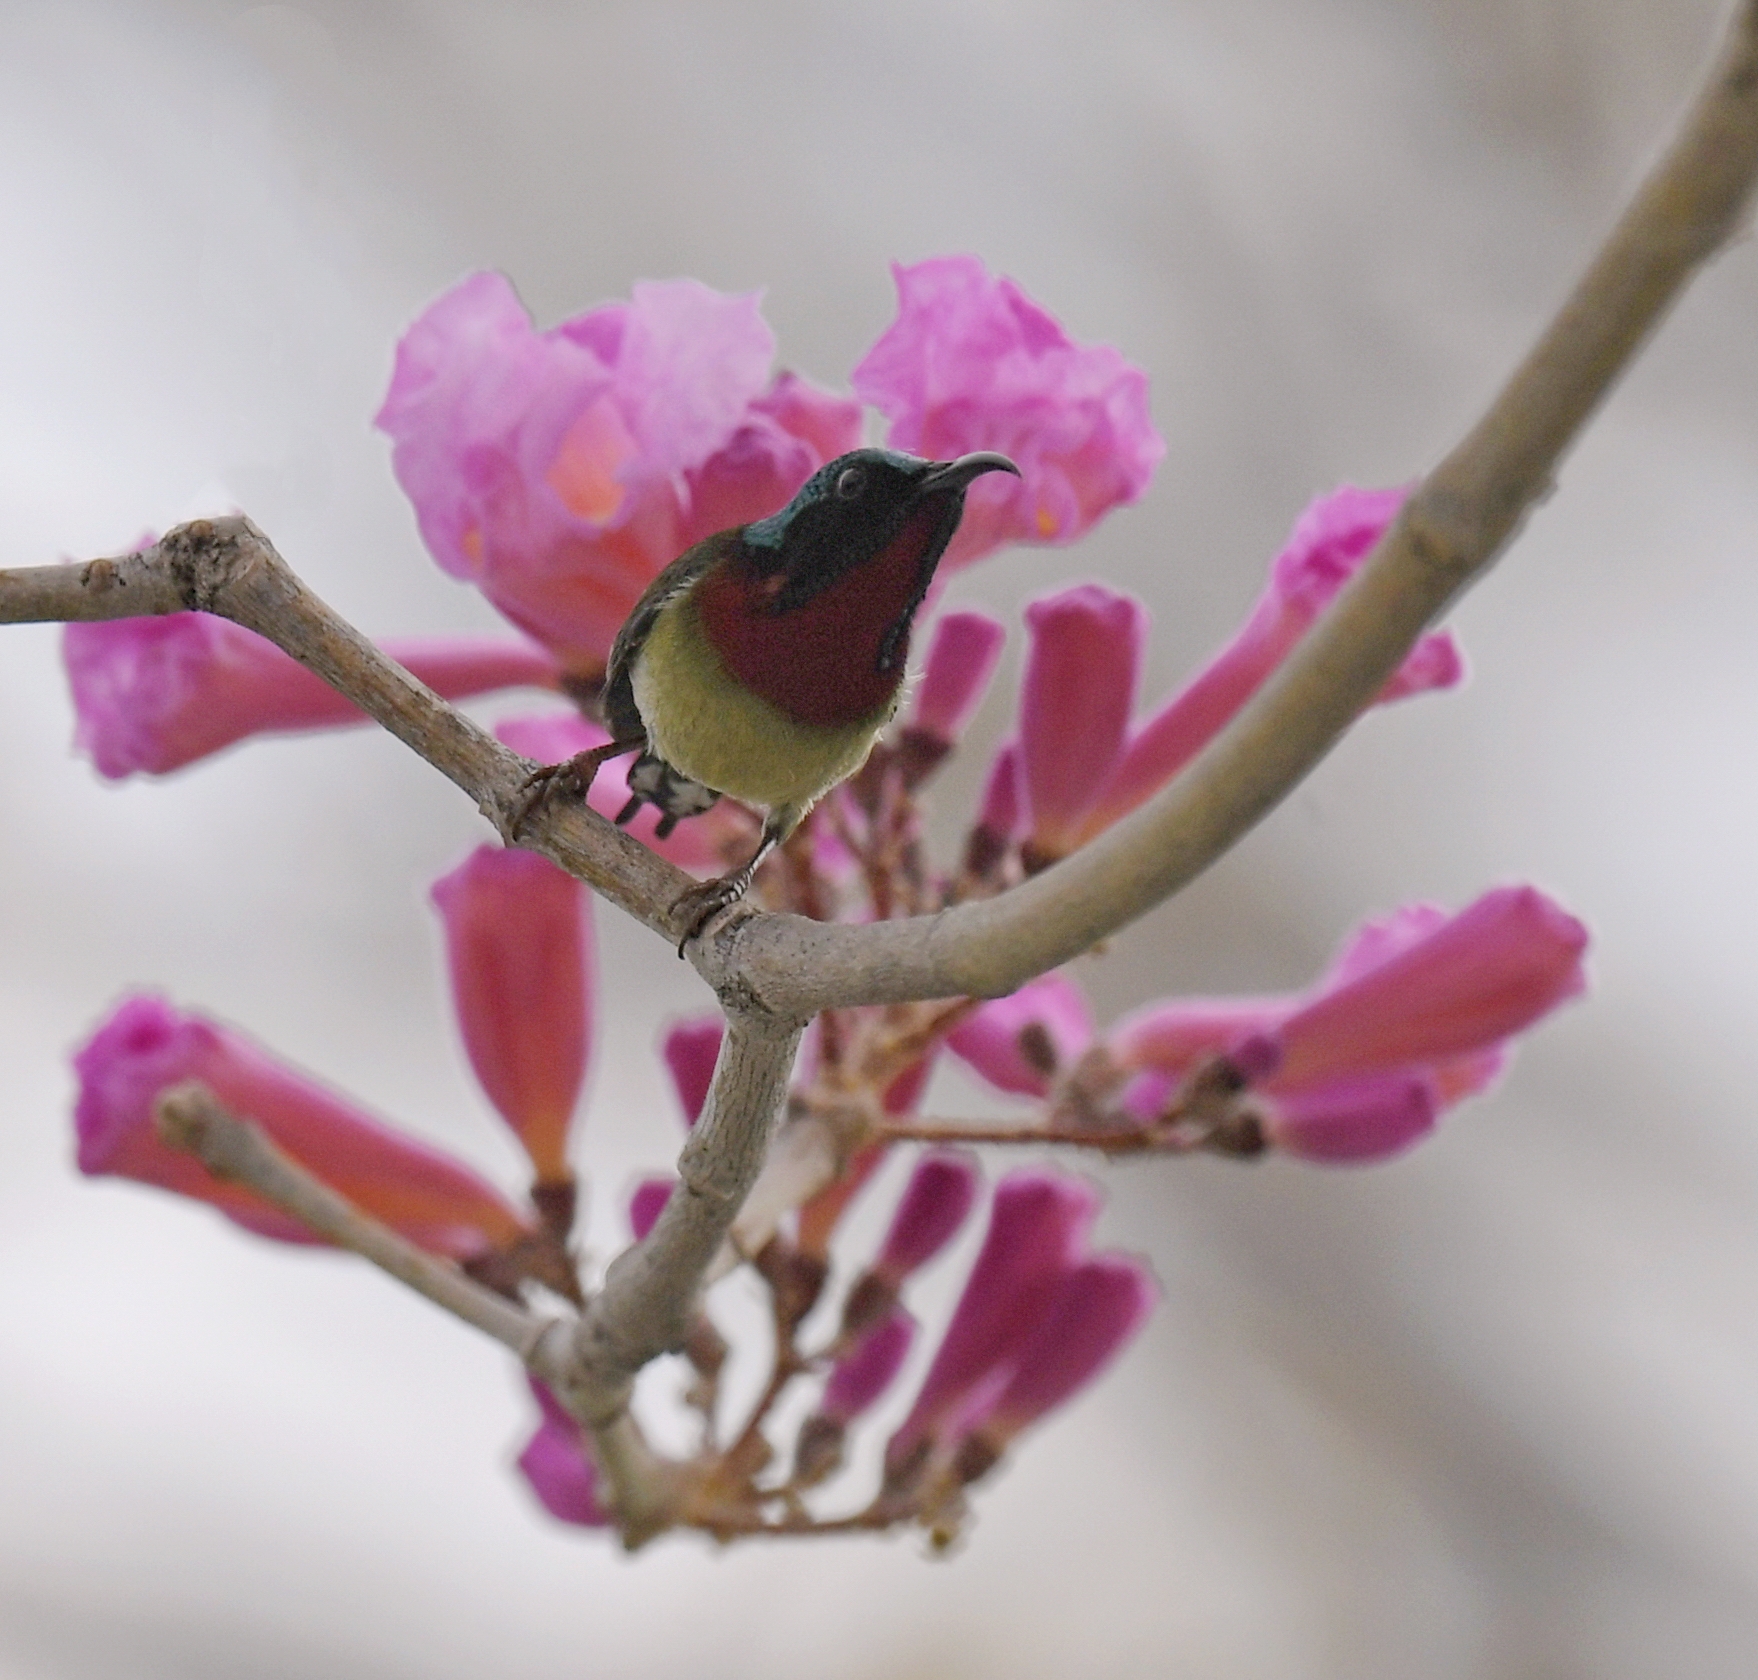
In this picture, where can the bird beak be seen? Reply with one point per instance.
(956, 475)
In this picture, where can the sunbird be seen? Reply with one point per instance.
(764, 661)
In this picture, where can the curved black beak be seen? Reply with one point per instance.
(956, 475)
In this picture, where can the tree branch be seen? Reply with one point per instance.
(650, 1291)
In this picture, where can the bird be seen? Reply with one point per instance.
(765, 660)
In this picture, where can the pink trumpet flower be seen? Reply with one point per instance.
(1098, 1306)
(558, 1465)
(154, 694)
(519, 946)
(559, 471)
(146, 1047)
(961, 660)
(1037, 1228)
(647, 1202)
(1329, 542)
(972, 363)
(1074, 708)
(1460, 989)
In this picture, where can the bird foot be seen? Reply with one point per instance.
(571, 779)
(704, 901)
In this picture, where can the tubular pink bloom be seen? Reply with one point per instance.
(961, 660)
(999, 814)
(1458, 991)
(559, 1467)
(1329, 542)
(1037, 1228)
(691, 1049)
(935, 1203)
(1022, 1041)
(1098, 1306)
(647, 1202)
(154, 694)
(972, 363)
(147, 1046)
(870, 1367)
(1074, 707)
(519, 947)
(695, 845)
(559, 471)
(1353, 1119)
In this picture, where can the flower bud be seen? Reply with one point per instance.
(519, 947)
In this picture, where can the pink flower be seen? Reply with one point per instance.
(696, 845)
(1037, 1229)
(1329, 542)
(934, 1204)
(559, 471)
(1020, 1042)
(1363, 1119)
(154, 694)
(972, 363)
(558, 1465)
(146, 1047)
(961, 660)
(647, 1202)
(1417, 1012)
(864, 1373)
(1074, 707)
(1465, 986)
(519, 947)
(691, 1049)
(1098, 1305)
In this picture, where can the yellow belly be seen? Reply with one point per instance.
(723, 736)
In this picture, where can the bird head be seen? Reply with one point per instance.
(858, 507)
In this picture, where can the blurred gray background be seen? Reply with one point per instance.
(1489, 1411)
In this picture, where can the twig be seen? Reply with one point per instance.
(189, 1117)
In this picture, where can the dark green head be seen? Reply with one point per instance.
(853, 509)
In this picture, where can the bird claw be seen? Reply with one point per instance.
(704, 901)
(572, 778)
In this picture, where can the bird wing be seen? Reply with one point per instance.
(620, 711)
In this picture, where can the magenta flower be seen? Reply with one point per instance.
(558, 1465)
(972, 363)
(1463, 988)
(696, 845)
(1037, 1228)
(961, 660)
(559, 471)
(1098, 1305)
(1074, 708)
(1416, 1013)
(1022, 1041)
(154, 694)
(691, 1049)
(1329, 542)
(869, 1368)
(934, 1204)
(519, 947)
(146, 1047)
(1363, 1119)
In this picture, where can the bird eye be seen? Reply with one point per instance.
(850, 482)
